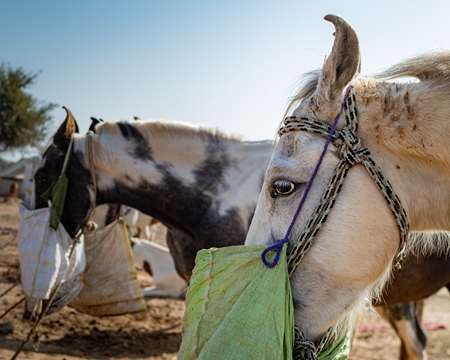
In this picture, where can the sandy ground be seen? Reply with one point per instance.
(156, 334)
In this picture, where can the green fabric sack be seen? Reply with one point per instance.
(57, 191)
(57, 194)
(237, 308)
(339, 349)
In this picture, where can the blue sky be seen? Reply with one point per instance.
(227, 64)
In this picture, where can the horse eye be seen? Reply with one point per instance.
(40, 181)
(283, 187)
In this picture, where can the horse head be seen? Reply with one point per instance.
(352, 254)
(80, 190)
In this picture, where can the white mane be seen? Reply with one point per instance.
(172, 129)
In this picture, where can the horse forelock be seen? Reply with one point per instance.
(306, 87)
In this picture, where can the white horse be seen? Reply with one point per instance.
(157, 261)
(404, 126)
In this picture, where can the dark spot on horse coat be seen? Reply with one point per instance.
(209, 176)
(128, 177)
(142, 149)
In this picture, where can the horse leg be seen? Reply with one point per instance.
(420, 305)
(406, 323)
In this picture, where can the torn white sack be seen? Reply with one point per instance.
(44, 259)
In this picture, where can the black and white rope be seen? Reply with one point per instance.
(352, 153)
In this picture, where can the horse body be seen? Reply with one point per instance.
(405, 132)
(404, 127)
(417, 270)
(417, 278)
(168, 188)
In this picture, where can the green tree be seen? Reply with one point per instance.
(23, 120)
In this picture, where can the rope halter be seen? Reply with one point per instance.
(351, 153)
(88, 225)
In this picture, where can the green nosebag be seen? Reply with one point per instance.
(237, 308)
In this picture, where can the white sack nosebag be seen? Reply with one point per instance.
(99, 278)
(110, 280)
(47, 260)
(51, 262)
(53, 265)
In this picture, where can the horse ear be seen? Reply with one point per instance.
(344, 62)
(65, 131)
(95, 121)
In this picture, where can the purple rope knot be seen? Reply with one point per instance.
(278, 246)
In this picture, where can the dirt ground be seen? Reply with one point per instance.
(156, 334)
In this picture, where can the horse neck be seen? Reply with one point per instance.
(171, 181)
(244, 178)
(405, 128)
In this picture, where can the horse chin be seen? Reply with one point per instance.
(319, 308)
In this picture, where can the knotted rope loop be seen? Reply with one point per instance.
(350, 149)
(305, 349)
(278, 246)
